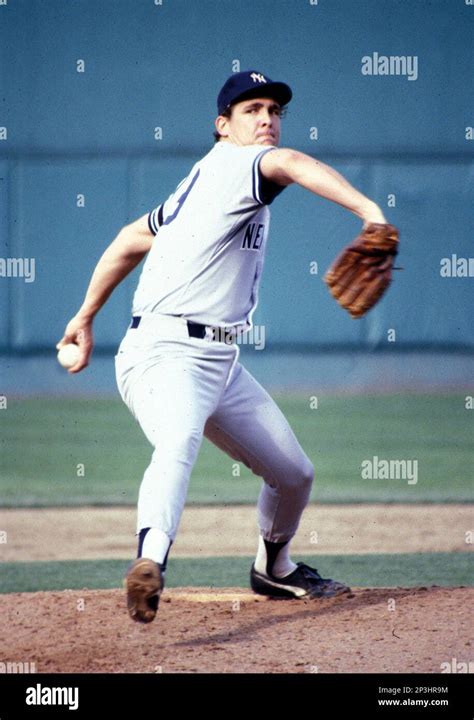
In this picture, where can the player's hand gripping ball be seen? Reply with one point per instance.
(69, 355)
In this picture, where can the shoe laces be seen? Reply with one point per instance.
(309, 572)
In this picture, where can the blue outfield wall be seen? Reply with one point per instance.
(149, 65)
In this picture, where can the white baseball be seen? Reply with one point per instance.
(68, 355)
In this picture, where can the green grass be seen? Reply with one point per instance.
(43, 441)
(447, 569)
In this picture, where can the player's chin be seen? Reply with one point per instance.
(266, 140)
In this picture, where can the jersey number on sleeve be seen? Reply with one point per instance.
(181, 199)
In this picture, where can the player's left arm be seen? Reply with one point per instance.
(119, 259)
(285, 166)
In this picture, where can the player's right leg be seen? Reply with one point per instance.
(170, 386)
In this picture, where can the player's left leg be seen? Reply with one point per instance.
(250, 427)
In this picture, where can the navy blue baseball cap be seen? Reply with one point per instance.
(248, 84)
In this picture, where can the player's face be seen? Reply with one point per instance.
(253, 122)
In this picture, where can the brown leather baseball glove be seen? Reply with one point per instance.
(360, 275)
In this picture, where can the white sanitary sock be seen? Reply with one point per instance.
(283, 564)
(155, 545)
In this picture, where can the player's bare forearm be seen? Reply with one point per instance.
(286, 166)
(120, 258)
(111, 269)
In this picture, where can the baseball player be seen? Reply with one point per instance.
(178, 366)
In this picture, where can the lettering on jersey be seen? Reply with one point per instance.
(253, 237)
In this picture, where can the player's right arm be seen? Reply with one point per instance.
(120, 258)
(285, 166)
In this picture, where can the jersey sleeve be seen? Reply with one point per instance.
(249, 186)
(267, 189)
(155, 219)
(164, 213)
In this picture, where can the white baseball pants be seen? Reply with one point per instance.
(180, 388)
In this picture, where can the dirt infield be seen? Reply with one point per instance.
(376, 630)
(200, 630)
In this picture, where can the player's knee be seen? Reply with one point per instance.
(300, 476)
(307, 473)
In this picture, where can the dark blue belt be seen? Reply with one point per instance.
(195, 330)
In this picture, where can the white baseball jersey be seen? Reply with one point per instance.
(207, 259)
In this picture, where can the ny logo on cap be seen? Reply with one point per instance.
(258, 76)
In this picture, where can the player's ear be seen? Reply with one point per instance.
(221, 125)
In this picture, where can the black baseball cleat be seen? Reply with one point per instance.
(144, 584)
(303, 582)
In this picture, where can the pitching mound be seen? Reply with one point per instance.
(380, 630)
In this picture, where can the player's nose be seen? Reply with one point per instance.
(266, 119)
(266, 116)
